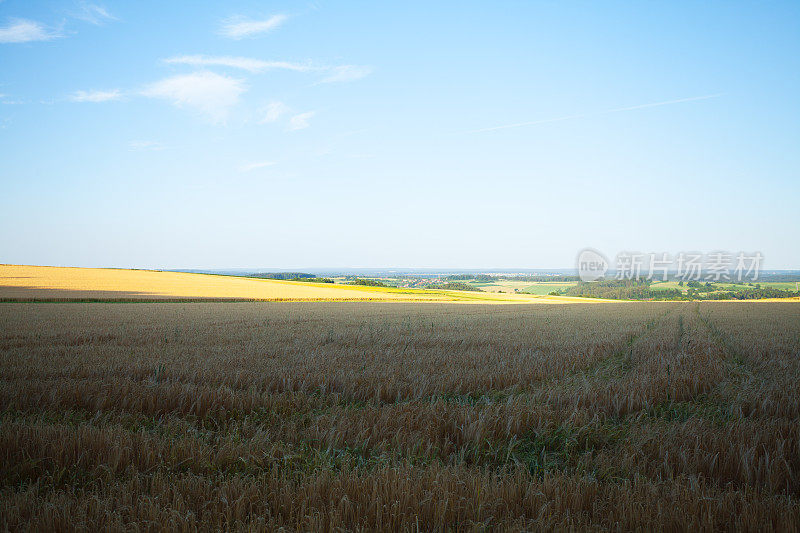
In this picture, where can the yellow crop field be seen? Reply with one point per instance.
(19, 281)
(41, 282)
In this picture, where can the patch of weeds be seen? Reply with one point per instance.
(699, 408)
(560, 449)
(306, 458)
(477, 398)
(548, 451)
(158, 374)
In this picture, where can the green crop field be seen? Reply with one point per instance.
(546, 287)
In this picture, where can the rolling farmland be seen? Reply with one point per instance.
(21, 282)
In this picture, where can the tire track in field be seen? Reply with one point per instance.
(735, 360)
(614, 365)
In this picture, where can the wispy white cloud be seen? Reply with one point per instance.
(239, 28)
(667, 102)
(7, 100)
(345, 73)
(244, 63)
(300, 122)
(96, 96)
(25, 31)
(140, 145)
(597, 113)
(93, 14)
(206, 92)
(272, 112)
(253, 166)
(335, 74)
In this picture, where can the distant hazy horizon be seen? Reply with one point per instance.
(380, 271)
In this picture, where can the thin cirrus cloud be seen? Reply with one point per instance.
(25, 31)
(253, 166)
(300, 122)
(243, 63)
(96, 96)
(212, 95)
(93, 14)
(240, 28)
(272, 112)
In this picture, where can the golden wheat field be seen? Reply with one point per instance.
(399, 416)
(23, 282)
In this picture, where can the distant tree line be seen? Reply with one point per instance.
(368, 282)
(622, 289)
(631, 289)
(539, 279)
(751, 294)
(454, 286)
(488, 278)
(314, 280)
(791, 276)
(283, 275)
(483, 278)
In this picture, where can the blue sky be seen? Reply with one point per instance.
(373, 134)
